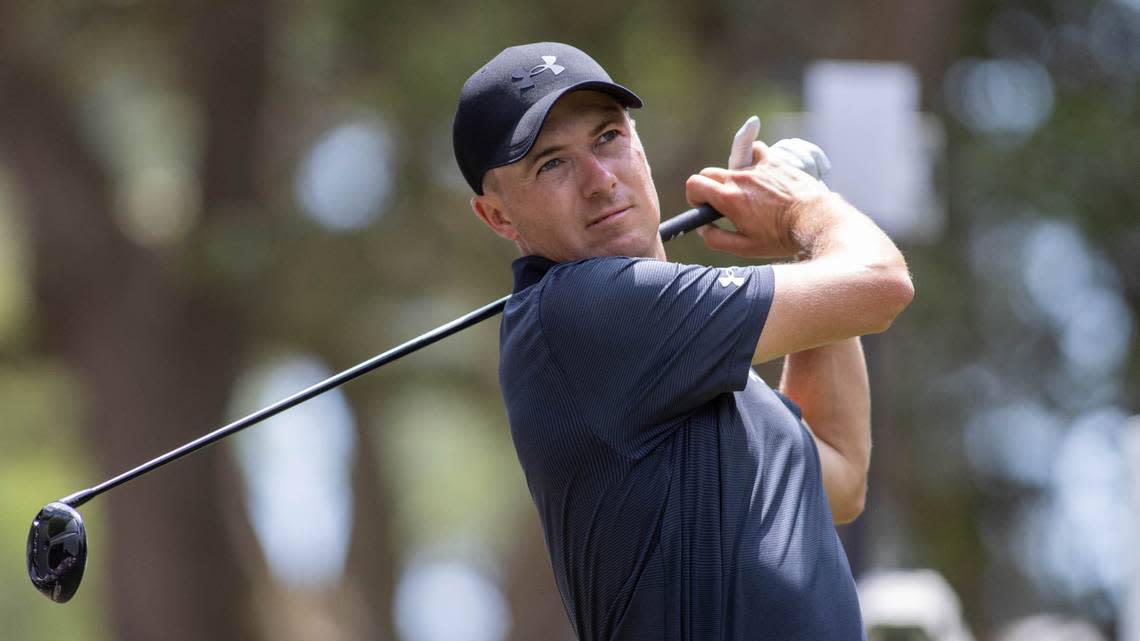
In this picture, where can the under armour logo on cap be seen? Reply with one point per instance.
(522, 77)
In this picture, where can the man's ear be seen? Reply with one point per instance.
(489, 209)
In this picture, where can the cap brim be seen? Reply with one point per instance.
(528, 127)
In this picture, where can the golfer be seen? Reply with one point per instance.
(681, 497)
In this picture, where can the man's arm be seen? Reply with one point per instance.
(830, 385)
(854, 281)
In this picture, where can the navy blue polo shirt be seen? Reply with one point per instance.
(680, 496)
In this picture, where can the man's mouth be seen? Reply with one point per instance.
(610, 215)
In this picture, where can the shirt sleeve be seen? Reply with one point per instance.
(792, 406)
(642, 343)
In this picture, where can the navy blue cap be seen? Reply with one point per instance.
(503, 105)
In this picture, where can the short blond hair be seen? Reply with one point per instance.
(490, 181)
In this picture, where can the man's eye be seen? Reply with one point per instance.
(608, 136)
(550, 164)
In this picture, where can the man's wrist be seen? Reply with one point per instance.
(809, 220)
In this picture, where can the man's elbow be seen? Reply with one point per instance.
(851, 507)
(894, 290)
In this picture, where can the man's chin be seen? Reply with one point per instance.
(632, 246)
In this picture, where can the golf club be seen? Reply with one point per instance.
(57, 540)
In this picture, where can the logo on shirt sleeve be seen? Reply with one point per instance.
(729, 277)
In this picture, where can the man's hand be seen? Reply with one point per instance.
(763, 202)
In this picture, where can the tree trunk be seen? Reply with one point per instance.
(156, 354)
(372, 569)
(536, 609)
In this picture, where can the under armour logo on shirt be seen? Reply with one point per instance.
(730, 277)
(522, 77)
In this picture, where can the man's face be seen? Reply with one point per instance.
(583, 190)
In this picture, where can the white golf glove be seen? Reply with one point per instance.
(797, 152)
(803, 155)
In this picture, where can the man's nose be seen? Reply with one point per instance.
(597, 179)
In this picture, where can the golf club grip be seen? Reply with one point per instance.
(688, 221)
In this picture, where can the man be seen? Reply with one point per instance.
(680, 496)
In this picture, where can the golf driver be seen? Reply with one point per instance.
(57, 540)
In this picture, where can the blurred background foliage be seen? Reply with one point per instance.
(207, 205)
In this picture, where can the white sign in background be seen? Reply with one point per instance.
(865, 116)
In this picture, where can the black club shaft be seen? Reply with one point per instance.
(670, 229)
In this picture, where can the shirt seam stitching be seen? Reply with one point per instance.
(566, 379)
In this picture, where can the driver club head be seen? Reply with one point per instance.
(57, 551)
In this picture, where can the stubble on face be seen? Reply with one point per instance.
(585, 189)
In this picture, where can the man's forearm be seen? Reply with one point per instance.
(830, 385)
(837, 237)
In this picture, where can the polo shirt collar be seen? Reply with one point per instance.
(529, 270)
